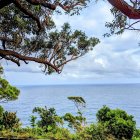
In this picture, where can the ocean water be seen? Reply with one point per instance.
(125, 96)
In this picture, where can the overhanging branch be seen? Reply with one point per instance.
(6, 53)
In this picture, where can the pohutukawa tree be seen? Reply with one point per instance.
(27, 33)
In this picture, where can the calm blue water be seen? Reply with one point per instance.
(126, 97)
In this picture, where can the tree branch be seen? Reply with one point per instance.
(68, 7)
(5, 53)
(29, 13)
(125, 8)
(13, 60)
(41, 2)
(131, 26)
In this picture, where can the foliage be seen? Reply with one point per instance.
(60, 133)
(33, 121)
(28, 33)
(75, 122)
(118, 24)
(94, 132)
(8, 120)
(136, 135)
(7, 92)
(48, 118)
(123, 11)
(1, 71)
(27, 133)
(118, 122)
(79, 102)
(111, 125)
(78, 121)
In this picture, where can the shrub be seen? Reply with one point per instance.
(117, 122)
(7, 92)
(136, 135)
(92, 132)
(8, 120)
(48, 118)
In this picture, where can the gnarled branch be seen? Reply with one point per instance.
(6, 53)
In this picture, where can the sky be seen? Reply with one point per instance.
(114, 60)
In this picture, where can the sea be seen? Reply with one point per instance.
(122, 96)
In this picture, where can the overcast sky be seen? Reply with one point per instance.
(114, 60)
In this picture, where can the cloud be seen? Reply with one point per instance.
(113, 57)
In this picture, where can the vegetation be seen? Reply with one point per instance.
(7, 92)
(8, 120)
(52, 118)
(28, 33)
(112, 124)
(117, 122)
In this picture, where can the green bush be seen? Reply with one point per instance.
(48, 118)
(136, 135)
(92, 132)
(74, 122)
(8, 120)
(111, 125)
(117, 122)
(7, 92)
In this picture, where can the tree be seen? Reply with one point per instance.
(8, 120)
(7, 92)
(118, 122)
(77, 122)
(48, 118)
(28, 33)
(79, 102)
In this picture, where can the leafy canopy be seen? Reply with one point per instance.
(28, 33)
(7, 92)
